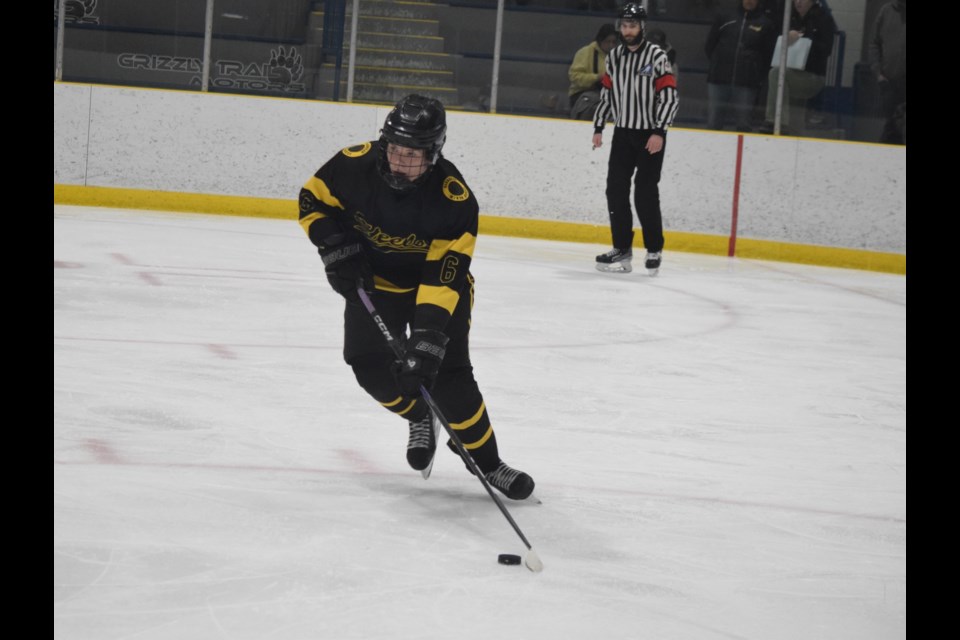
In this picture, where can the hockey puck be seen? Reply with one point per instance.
(508, 558)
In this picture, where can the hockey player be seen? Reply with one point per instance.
(397, 216)
(640, 91)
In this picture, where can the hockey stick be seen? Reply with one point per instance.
(532, 561)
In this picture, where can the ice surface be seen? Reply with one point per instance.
(720, 451)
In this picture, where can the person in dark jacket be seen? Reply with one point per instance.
(739, 47)
(808, 20)
(888, 61)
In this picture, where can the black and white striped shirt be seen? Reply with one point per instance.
(639, 89)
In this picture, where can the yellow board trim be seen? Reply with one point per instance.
(465, 244)
(702, 243)
(489, 224)
(173, 201)
(443, 297)
(822, 256)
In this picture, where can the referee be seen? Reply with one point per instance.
(640, 94)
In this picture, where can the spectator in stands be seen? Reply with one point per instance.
(585, 73)
(888, 61)
(807, 20)
(739, 47)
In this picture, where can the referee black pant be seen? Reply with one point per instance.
(630, 161)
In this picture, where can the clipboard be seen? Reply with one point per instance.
(797, 53)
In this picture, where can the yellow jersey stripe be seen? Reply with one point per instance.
(306, 221)
(385, 285)
(472, 420)
(464, 244)
(479, 443)
(394, 403)
(409, 406)
(444, 297)
(319, 189)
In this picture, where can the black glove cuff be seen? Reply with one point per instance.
(427, 343)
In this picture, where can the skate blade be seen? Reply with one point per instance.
(615, 267)
(653, 272)
(437, 427)
(426, 472)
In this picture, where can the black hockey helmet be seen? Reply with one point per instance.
(632, 11)
(415, 122)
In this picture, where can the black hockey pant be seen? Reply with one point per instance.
(455, 391)
(630, 160)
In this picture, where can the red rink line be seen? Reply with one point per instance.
(186, 274)
(122, 259)
(102, 451)
(808, 278)
(149, 278)
(235, 270)
(358, 461)
(222, 351)
(222, 467)
(127, 260)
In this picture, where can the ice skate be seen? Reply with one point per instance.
(615, 261)
(422, 444)
(512, 483)
(652, 262)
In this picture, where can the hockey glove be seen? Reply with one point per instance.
(345, 264)
(422, 356)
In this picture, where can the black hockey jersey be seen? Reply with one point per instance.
(419, 242)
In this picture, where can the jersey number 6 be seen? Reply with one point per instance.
(448, 270)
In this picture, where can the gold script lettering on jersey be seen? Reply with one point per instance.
(385, 241)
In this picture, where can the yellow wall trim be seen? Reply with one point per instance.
(174, 201)
(703, 243)
(493, 225)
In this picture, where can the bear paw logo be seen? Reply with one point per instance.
(285, 66)
(77, 11)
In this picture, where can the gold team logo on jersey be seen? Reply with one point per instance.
(357, 150)
(455, 190)
(376, 235)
